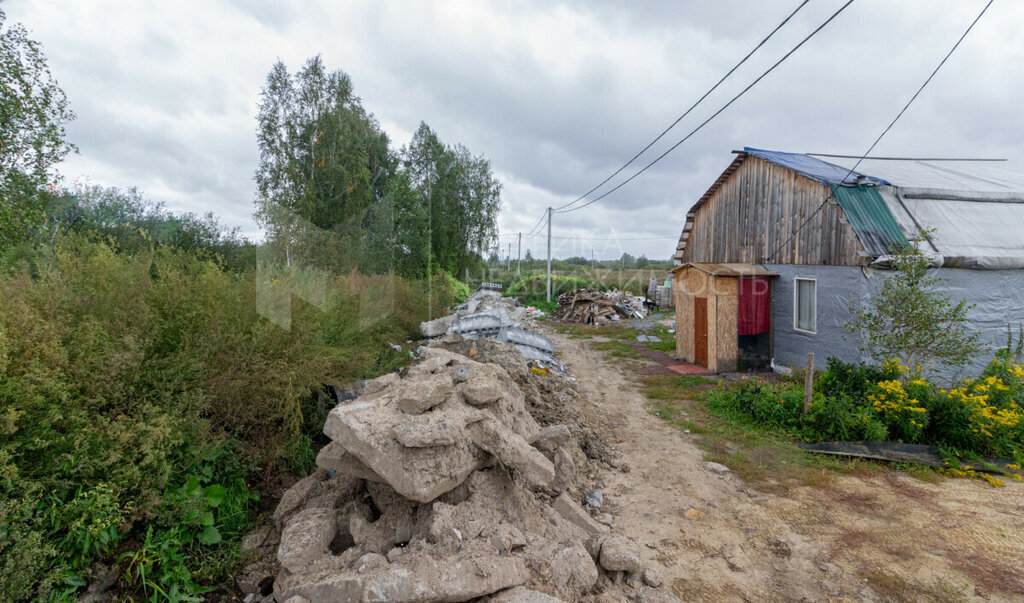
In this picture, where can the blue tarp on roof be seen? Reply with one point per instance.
(820, 171)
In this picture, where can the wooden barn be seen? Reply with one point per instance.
(772, 256)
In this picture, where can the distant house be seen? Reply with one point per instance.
(773, 254)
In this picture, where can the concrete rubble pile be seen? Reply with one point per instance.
(439, 485)
(486, 314)
(592, 307)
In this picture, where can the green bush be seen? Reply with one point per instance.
(145, 395)
(981, 417)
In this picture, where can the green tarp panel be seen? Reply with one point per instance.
(870, 218)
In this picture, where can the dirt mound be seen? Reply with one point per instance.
(440, 484)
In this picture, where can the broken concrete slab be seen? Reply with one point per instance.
(306, 536)
(334, 457)
(479, 390)
(593, 545)
(574, 514)
(489, 490)
(651, 577)
(293, 497)
(565, 470)
(437, 327)
(382, 383)
(416, 396)
(512, 450)
(552, 437)
(420, 474)
(449, 580)
(572, 570)
(424, 431)
(620, 554)
(521, 594)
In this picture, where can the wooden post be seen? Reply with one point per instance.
(809, 382)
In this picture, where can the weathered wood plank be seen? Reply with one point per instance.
(758, 211)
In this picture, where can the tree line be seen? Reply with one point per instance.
(332, 192)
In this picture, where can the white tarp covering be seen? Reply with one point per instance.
(967, 234)
(975, 207)
(974, 176)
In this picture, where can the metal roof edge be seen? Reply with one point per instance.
(938, 194)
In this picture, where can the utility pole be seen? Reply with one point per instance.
(519, 253)
(549, 255)
(508, 264)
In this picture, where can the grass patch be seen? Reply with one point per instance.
(668, 340)
(617, 349)
(768, 459)
(589, 331)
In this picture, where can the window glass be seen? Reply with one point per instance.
(806, 307)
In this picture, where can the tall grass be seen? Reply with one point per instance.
(145, 397)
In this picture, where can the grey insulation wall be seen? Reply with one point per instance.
(837, 287)
(997, 295)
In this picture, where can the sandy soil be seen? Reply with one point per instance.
(885, 536)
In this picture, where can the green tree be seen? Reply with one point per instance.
(33, 112)
(461, 197)
(910, 319)
(323, 161)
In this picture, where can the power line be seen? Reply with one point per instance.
(692, 107)
(716, 113)
(832, 191)
(610, 238)
(539, 222)
(617, 238)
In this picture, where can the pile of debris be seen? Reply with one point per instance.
(486, 314)
(439, 485)
(592, 307)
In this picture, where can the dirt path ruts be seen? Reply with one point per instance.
(887, 536)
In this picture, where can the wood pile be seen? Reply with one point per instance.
(592, 307)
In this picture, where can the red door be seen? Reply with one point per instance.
(700, 330)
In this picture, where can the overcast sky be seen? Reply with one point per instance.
(556, 94)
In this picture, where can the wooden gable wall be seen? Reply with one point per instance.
(757, 208)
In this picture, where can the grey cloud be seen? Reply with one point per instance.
(557, 95)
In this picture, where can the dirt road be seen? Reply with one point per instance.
(881, 536)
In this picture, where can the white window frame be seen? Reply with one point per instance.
(796, 304)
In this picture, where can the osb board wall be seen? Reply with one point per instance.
(684, 316)
(727, 308)
(754, 214)
(722, 294)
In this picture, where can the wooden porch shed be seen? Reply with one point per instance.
(723, 315)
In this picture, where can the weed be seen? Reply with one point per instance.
(144, 394)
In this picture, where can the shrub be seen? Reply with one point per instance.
(140, 392)
(981, 417)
